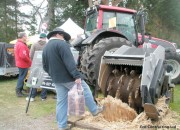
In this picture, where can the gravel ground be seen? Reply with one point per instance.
(16, 119)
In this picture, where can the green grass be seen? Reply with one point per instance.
(38, 108)
(9, 100)
(175, 105)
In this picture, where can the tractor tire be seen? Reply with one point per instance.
(173, 66)
(98, 50)
(83, 63)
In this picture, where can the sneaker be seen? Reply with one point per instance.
(32, 99)
(99, 110)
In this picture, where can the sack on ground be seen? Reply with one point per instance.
(76, 101)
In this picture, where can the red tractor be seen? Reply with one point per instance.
(108, 28)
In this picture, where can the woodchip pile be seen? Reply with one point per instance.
(119, 115)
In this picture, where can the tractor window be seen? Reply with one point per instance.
(125, 24)
(106, 17)
(91, 22)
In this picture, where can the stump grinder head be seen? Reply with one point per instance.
(137, 76)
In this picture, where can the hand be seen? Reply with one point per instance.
(78, 81)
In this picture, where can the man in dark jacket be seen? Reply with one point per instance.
(59, 63)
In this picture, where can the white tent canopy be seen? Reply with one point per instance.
(72, 28)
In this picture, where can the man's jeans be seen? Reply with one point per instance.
(62, 101)
(21, 77)
(43, 93)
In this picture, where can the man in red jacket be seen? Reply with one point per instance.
(23, 61)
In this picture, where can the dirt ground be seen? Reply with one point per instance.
(17, 120)
(13, 116)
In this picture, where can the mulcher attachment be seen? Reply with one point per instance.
(136, 76)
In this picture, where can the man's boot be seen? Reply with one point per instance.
(24, 91)
(19, 94)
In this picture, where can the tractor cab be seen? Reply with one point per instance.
(118, 19)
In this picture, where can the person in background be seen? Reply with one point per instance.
(23, 61)
(38, 47)
(59, 63)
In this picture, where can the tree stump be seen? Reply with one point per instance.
(116, 110)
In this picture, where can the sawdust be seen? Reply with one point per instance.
(167, 120)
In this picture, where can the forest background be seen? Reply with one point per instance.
(163, 16)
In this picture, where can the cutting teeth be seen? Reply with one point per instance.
(124, 62)
(124, 84)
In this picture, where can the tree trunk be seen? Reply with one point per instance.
(51, 15)
(16, 19)
(90, 3)
(5, 19)
(105, 2)
(114, 2)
